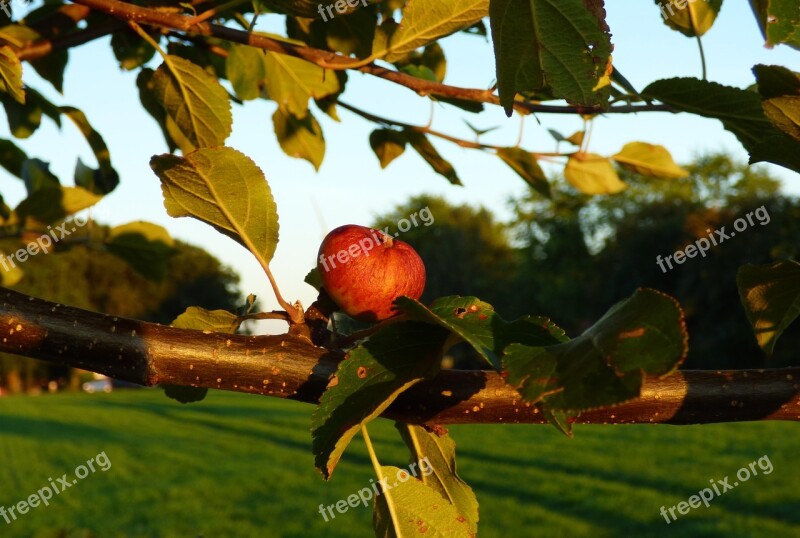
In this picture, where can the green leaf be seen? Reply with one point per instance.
(778, 149)
(23, 120)
(196, 101)
(37, 175)
(592, 174)
(419, 71)
(54, 203)
(144, 81)
(426, 150)
(224, 188)
(563, 45)
(353, 33)
(12, 158)
(51, 68)
(695, 18)
(314, 279)
(11, 74)
(642, 335)
(245, 68)
(425, 21)
(300, 138)
(145, 246)
(780, 93)
(524, 163)
(388, 144)
(200, 319)
(739, 110)
(770, 295)
(208, 321)
(649, 160)
(411, 508)
(291, 82)
(779, 21)
(433, 58)
(476, 323)
(130, 50)
(438, 452)
(105, 179)
(368, 380)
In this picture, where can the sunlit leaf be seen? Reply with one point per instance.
(649, 160)
(300, 138)
(224, 188)
(388, 144)
(196, 101)
(592, 174)
(524, 163)
(411, 508)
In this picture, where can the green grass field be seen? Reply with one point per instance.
(237, 465)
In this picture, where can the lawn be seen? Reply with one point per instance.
(237, 465)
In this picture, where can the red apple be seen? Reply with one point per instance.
(364, 271)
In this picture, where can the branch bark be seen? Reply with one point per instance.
(292, 367)
(124, 11)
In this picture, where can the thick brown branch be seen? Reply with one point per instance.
(292, 367)
(175, 21)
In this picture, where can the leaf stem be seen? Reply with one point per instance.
(702, 54)
(378, 473)
(144, 35)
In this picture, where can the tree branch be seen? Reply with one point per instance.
(175, 21)
(292, 367)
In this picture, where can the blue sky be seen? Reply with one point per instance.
(350, 186)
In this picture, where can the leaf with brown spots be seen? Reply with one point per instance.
(480, 326)
(435, 455)
(642, 335)
(411, 508)
(369, 380)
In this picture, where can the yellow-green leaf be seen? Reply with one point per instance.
(435, 455)
(224, 188)
(11, 74)
(410, 508)
(387, 144)
(290, 82)
(196, 101)
(245, 68)
(592, 174)
(53, 203)
(524, 163)
(425, 21)
(300, 138)
(208, 321)
(649, 160)
(694, 18)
